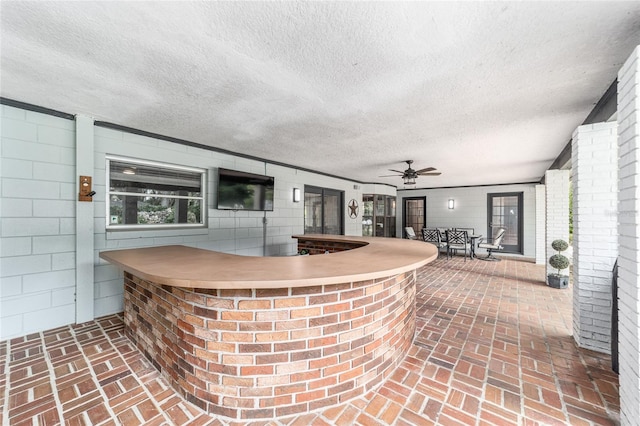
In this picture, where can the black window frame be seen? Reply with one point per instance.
(322, 192)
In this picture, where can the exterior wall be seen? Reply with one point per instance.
(541, 236)
(557, 211)
(471, 209)
(595, 234)
(239, 232)
(37, 272)
(629, 238)
(372, 188)
(39, 193)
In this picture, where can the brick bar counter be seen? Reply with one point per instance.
(264, 337)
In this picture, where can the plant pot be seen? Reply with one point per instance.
(558, 281)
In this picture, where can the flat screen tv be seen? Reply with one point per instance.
(244, 191)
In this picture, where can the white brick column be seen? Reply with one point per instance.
(557, 210)
(629, 238)
(594, 163)
(541, 251)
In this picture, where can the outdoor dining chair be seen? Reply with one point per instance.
(433, 236)
(457, 240)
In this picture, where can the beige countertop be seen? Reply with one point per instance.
(190, 267)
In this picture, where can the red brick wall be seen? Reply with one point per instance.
(250, 354)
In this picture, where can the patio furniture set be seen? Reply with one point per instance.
(454, 240)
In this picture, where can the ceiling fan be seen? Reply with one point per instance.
(410, 174)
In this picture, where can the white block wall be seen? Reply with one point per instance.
(37, 222)
(594, 162)
(38, 203)
(556, 211)
(629, 238)
(471, 209)
(541, 236)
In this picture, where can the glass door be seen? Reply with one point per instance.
(367, 215)
(504, 210)
(415, 213)
(379, 217)
(323, 213)
(312, 210)
(332, 212)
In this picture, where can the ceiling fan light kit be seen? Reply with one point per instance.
(409, 175)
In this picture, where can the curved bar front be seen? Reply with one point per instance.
(285, 346)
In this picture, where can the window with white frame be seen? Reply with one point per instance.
(146, 194)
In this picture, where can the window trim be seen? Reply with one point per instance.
(155, 227)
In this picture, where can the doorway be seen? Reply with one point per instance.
(504, 210)
(415, 213)
(323, 213)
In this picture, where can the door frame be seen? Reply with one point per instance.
(404, 212)
(519, 248)
(329, 191)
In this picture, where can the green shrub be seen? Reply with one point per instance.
(560, 245)
(559, 261)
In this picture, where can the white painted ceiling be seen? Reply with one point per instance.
(486, 92)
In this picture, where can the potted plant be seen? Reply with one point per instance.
(559, 262)
(303, 252)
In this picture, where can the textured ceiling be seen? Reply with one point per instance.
(487, 92)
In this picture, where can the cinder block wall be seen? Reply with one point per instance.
(37, 272)
(38, 216)
(629, 238)
(595, 235)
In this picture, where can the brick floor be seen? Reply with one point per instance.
(493, 346)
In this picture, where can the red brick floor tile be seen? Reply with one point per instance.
(493, 346)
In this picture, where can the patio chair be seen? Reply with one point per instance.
(433, 236)
(457, 240)
(491, 244)
(409, 233)
(470, 231)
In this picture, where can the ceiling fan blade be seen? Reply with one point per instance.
(397, 171)
(389, 175)
(426, 169)
(430, 174)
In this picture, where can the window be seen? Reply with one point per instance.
(144, 194)
(379, 215)
(323, 213)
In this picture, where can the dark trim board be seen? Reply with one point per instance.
(605, 107)
(36, 108)
(220, 150)
(469, 186)
(603, 110)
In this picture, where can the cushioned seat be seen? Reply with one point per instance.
(491, 244)
(409, 233)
